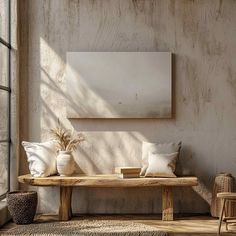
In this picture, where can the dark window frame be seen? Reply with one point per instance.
(8, 90)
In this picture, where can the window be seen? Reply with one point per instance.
(5, 96)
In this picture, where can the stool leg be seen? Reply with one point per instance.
(227, 228)
(221, 216)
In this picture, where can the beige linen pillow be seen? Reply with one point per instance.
(161, 165)
(164, 148)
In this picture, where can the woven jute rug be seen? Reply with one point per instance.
(86, 228)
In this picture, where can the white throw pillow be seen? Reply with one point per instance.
(161, 165)
(164, 148)
(41, 158)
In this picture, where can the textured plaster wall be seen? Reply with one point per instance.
(202, 36)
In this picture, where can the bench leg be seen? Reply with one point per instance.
(167, 204)
(65, 212)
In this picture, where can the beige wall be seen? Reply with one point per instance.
(202, 36)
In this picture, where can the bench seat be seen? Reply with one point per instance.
(66, 184)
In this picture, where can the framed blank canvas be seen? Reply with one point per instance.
(119, 84)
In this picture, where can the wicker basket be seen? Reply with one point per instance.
(22, 206)
(223, 183)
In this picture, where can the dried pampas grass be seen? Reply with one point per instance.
(67, 140)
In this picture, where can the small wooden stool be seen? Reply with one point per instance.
(225, 196)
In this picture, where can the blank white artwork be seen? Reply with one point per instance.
(118, 84)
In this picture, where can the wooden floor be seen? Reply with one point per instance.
(188, 225)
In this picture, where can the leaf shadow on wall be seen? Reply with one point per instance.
(118, 129)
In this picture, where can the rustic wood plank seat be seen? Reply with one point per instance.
(106, 181)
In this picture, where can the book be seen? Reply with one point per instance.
(127, 170)
(127, 176)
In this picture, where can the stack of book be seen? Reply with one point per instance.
(127, 172)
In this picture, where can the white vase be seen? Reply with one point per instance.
(65, 163)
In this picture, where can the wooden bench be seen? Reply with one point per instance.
(106, 181)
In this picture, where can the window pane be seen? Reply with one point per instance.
(4, 20)
(4, 114)
(4, 65)
(3, 168)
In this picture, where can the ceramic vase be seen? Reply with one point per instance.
(65, 163)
